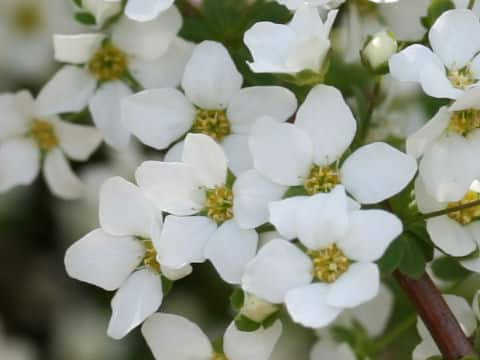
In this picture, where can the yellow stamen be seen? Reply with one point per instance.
(321, 179)
(44, 134)
(466, 216)
(461, 78)
(329, 264)
(150, 259)
(462, 122)
(109, 63)
(219, 204)
(213, 123)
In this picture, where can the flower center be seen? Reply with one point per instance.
(150, 258)
(217, 356)
(27, 18)
(44, 134)
(213, 123)
(108, 64)
(329, 263)
(461, 78)
(462, 122)
(465, 216)
(219, 204)
(321, 179)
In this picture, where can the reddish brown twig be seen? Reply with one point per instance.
(437, 316)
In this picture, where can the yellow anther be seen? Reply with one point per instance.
(465, 216)
(219, 204)
(109, 63)
(213, 123)
(329, 263)
(321, 179)
(461, 78)
(44, 134)
(462, 122)
(150, 259)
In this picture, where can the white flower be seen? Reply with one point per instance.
(328, 349)
(335, 271)
(453, 66)
(465, 316)
(126, 253)
(105, 63)
(379, 49)
(449, 144)
(296, 4)
(307, 153)
(144, 10)
(198, 185)
(213, 103)
(173, 337)
(300, 45)
(31, 140)
(458, 233)
(15, 348)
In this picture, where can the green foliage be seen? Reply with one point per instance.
(85, 18)
(243, 323)
(436, 8)
(449, 269)
(237, 298)
(295, 191)
(78, 3)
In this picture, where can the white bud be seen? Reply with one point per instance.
(257, 309)
(378, 50)
(102, 9)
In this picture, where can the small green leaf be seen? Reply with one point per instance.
(436, 8)
(237, 298)
(230, 179)
(167, 285)
(392, 257)
(85, 18)
(245, 324)
(413, 261)
(295, 191)
(78, 3)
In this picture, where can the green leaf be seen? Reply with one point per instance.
(413, 261)
(230, 179)
(167, 285)
(449, 269)
(402, 203)
(243, 323)
(237, 298)
(436, 8)
(392, 257)
(269, 321)
(85, 18)
(78, 3)
(295, 191)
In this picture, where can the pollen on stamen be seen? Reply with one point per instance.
(213, 123)
(44, 134)
(109, 63)
(461, 78)
(321, 179)
(462, 122)
(150, 258)
(219, 204)
(466, 216)
(329, 263)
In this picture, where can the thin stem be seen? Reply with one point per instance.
(471, 4)
(437, 316)
(373, 101)
(446, 211)
(397, 331)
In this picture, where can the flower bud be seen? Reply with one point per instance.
(377, 51)
(257, 309)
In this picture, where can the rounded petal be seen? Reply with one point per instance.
(229, 249)
(308, 306)
(124, 209)
(435, 83)
(183, 240)
(76, 49)
(267, 275)
(450, 236)
(425, 202)
(207, 158)
(158, 117)
(146, 10)
(332, 350)
(77, 141)
(138, 298)
(469, 99)
(329, 121)
(102, 259)
(283, 215)
(211, 78)
(176, 274)
(167, 336)
(358, 285)
(60, 178)
(255, 345)
(376, 172)
(251, 103)
(172, 187)
(67, 91)
(425, 350)
(19, 163)
(252, 194)
(366, 240)
(105, 107)
(284, 165)
(238, 154)
(16, 110)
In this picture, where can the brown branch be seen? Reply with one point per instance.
(437, 316)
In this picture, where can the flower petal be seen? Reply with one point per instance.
(146, 10)
(376, 172)
(77, 141)
(450, 236)
(283, 215)
(176, 274)
(211, 78)
(76, 49)
(16, 110)
(284, 165)
(468, 100)
(262, 274)
(138, 298)
(60, 178)
(238, 154)
(435, 83)
(229, 249)
(102, 259)
(158, 117)
(331, 350)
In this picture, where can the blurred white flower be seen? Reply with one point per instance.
(145, 10)
(329, 349)
(16, 349)
(176, 338)
(31, 139)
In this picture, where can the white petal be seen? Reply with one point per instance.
(156, 35)
(267, 275)
(308, 306)
(435, 83)
(252, 193)
(283, 215)
(329, 121)
(183, 240)
(418, 142)
(19, 163)
(468, 100)
(158, 117)
(76, 49)
(358, 285)
(471, 264)
(174, 154)
(102, 259)
(230, 249)
(255, 345)
(211, 78)
(138, 298)
(146, 10)
(376, 172)
(425, 350)
(251, 103)
(425, 202)
(285, 165)
(207, 158)
(16, 110)
(366, 240)
(77, 141)
(450, 236)
(67, 91)
(172, 187)
(331, 350)
(167, 336)
(463, 312)
(238, 153)
(452, 39)
(59, 176)
(176, 274)
(124, 210)
(448, 178)
(106, 113)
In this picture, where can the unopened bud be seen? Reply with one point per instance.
(377, 51)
